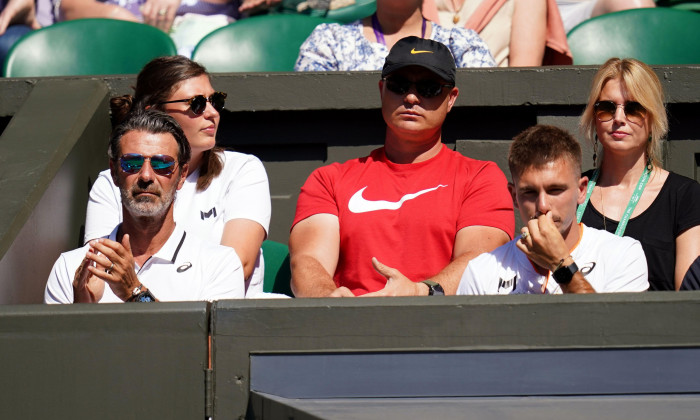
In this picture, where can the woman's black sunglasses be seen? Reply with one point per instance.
(427, 88)
(199, 103)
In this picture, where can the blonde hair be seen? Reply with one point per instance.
(642, 85)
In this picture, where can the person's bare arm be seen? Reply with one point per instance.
(687, 250)
(609, 6)
(246, 237)
(470, 242)
(160, 13)
(528, 33)
(254, 6)
(314, 247)
(18, 12)
(81, 9)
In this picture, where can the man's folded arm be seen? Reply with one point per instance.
(314, 246)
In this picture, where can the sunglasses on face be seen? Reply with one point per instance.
(634, 111)
(426, 88)
(199, 103)
(131, 163)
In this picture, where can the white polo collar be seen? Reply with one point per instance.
(170, 250)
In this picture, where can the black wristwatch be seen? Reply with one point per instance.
(434, 289)
(138, 296)
(563, 275)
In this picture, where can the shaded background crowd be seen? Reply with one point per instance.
(515, 32)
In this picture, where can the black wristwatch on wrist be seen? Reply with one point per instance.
(563, 275)
(146, 296)
(434, 288)
(137, 295)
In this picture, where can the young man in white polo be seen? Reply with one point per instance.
(554, 253)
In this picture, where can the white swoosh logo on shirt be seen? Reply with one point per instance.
(358, 204)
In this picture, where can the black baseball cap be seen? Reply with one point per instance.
(426, 53)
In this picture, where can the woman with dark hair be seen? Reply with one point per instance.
(226, 196)
(630, 193)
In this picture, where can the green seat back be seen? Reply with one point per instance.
(278, 274)
(347, 14)
(257, 44)
(87, 46)
(654, 36)
(691, 6)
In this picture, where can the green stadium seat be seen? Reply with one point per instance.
(85, 47)
(692, 6)
(258, 44)
(278, 273)
(652, 35)
(347, 14)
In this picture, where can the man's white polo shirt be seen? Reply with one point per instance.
(184, 269)
(609, 263)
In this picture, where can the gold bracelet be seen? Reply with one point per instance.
(561, 262)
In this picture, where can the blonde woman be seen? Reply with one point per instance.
(629, 193)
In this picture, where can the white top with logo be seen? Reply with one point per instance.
(609, 263)
(184, 269)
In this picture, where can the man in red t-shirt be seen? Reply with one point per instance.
(420, 208)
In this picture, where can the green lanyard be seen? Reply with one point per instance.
(636, 195)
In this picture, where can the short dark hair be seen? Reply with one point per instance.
(540, 144)
(150, 121)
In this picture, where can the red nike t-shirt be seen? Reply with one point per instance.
(406, 215)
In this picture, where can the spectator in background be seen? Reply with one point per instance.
(518, 32)
(364, 44)
(17, 18)
(574, 12)
(629, 192)
(554, 254)
(250, 7)
(147, 257)
(225, 198)
(414, 204)
(186, 21)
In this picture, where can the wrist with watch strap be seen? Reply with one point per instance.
(563, 274)
(434, 288)
(140, 295)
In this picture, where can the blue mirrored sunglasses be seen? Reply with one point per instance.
(131, 163)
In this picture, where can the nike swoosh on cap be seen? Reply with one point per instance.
(414, 51)
(359, 204)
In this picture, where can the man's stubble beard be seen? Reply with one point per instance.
(146, 207)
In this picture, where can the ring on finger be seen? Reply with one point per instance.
(162, 12)
(525, 235)
(109, 270)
